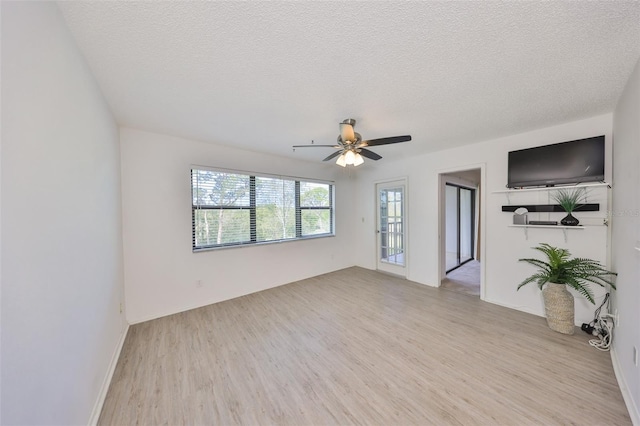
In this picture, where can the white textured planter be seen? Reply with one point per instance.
(559, 308)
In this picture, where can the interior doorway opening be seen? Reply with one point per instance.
(460, 237)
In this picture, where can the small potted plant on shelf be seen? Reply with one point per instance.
(558, 272)
(569, 200)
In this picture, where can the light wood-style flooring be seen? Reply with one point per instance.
(465, 279)
(359, 347)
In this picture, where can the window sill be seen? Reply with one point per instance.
(262, 243)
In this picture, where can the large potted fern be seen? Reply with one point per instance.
(558, 272)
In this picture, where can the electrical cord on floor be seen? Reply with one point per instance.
(604, 336)
(601, 327)
(597, 312)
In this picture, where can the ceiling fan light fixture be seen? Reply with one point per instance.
(341, 161)
(358, 160)
(349, 157)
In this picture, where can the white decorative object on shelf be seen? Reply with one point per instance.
(520, 216)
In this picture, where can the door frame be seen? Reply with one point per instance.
(481, 209)
(402, 271)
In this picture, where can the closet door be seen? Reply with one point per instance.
(459, 225)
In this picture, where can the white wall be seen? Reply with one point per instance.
(626, 239)
(504, 245)
(61, 224)
(160, 269)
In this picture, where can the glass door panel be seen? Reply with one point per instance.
(451, 232)
(466, 225)
(391, 228)
(459, 225)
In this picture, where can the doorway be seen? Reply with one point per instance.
(460, 236)
(391, 230)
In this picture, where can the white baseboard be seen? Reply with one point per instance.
(206, 302)
(524, 309)
(97, 408)
(634, 413)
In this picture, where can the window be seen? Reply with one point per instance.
(230, 209)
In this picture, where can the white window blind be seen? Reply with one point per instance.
(231, 208)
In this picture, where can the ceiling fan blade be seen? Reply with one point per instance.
(313, 146)
(369, 154)
(332, 156)
(386, 141)
(346, 132)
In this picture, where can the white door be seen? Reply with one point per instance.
(391, 228)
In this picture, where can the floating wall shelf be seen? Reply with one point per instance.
(551, 188)
(584, 187)
(553, 208)
(550, 208)
(564, 229)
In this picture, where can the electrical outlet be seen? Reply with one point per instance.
(199, 283)
(121, 308)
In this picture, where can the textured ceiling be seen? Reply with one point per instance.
(268, 75)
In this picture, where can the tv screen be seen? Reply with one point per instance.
(562, 163)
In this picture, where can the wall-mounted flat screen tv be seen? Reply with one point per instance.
(562, 163)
